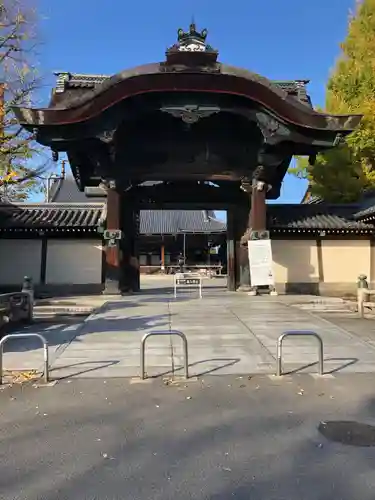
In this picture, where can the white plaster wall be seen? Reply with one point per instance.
(344, 260)
(295, 261)
(74, 262)
(20, 258)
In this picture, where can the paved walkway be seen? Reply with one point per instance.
(228, 333)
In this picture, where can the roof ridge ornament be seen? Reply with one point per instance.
(191, 50)
(192, 40)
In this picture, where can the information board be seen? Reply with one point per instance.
(261, 263)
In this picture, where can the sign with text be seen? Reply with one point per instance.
(261, 263)
(188, 281)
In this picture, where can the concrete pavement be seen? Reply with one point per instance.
(228, 333)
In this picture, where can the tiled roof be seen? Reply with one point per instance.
(363, 210)
(318, 216)
(66, 191)
(179, 221)
(66, 81)
(366, 213)
(50, 216)
(80, 80)
(62, 217)
(367, 206)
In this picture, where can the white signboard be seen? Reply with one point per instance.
(261, 263)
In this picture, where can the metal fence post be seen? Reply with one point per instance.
(25, 336)
(298, 333)
(163, 333)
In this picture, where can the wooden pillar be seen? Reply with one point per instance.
(231, 254)
(112, 249)
(130, 259)
(258, 212)
(253, 218)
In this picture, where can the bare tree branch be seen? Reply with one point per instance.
(19, 81)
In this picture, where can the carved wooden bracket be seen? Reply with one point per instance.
(273, 131)
(190, 113)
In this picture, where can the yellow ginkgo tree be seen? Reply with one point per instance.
(18, 83)
(342, 174)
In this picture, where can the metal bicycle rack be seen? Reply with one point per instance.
(160, 333)
(25, 336)
(298, 333)
(187, 280)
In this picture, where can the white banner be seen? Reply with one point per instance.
(261, 263)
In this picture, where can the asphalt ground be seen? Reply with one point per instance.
(218, 437)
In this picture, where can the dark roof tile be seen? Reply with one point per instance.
(72, 83)
(314, 216)
(62, 216)
(50, 216)
(179, 221)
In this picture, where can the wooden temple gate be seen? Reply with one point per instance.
(215, 136)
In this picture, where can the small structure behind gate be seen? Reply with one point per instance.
(187, 280)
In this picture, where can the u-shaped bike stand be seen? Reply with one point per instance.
(163, 333)
(26, 336)
(298, 333)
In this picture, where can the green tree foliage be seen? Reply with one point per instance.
(18, 82)
(341, 175)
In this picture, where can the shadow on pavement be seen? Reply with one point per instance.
(225, 363)
(101, 364)
(346, 362)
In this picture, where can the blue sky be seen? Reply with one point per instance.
(279, 39)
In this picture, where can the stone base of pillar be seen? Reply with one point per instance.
(253, 291)
(244, 288)
(111, 287)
